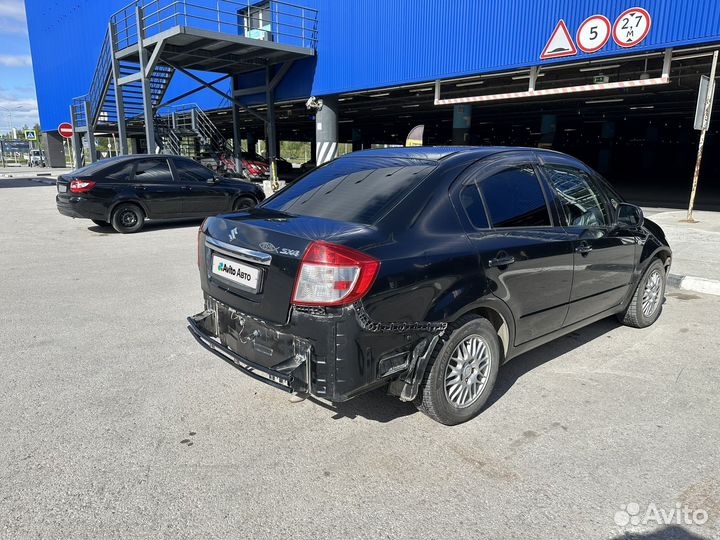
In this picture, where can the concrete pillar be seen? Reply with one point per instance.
(270, 127)
(77, 149)
(54, 148)
(462, 117)
(326, 130)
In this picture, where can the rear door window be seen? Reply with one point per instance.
(473, 205)
(355, 189)
(152, 171)
(120, 173)
(514, 198)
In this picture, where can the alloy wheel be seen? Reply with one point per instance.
(467, 371)
(651, 294)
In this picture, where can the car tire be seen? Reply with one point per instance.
(243, 203)
(100, 223)
(452, 391)
(128, 218)
(646, 304)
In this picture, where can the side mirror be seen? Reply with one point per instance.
(629, 216)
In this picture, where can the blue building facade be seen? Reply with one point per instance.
(368, 44)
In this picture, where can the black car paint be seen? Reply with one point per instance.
(176, 198)
(435, 268)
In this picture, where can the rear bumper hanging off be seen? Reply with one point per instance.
(261, 373)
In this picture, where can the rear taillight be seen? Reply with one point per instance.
(332, 275)
(81, 186)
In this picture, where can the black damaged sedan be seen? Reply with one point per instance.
(423, 270)
(124, 191)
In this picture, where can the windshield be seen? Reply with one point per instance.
(355, 189)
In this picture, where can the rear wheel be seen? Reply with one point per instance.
(101, 222)
(243, 203)
(461, 375)
(646, 304)
(128, 218)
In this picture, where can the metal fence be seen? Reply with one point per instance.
(273, 20)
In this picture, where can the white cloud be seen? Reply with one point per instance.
(16, 111)
(12, 17)
(13, 9)
(15, 60)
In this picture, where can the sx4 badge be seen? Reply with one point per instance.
(267, 246)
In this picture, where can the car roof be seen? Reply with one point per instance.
(437, 153)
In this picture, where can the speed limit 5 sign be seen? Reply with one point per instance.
(593, 33)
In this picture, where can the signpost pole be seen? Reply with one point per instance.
(705, 124)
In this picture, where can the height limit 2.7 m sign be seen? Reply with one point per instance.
(630, 29)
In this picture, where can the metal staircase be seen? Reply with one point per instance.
(101, 99)
(187, 130)
(147, 41)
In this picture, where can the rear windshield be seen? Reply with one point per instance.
(355, 189)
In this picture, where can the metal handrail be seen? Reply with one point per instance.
(287, 23)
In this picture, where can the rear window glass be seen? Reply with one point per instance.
(515, 199)
(359, 190)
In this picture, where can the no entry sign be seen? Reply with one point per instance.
(66, 130)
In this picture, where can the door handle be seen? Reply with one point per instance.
(583, 249)
(186, 188)
(499, 262)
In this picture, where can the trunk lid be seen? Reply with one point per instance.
(250, 260)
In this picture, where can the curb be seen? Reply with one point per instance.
(696, 284)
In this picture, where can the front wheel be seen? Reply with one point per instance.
(128, 218)
(646, 304)
(461, 374)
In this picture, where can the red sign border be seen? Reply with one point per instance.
(640, 40)
(65, 124)
(607, 37)
(559, 26)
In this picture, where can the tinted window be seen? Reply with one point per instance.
(152, 170)
(192, 172)
(120, 173)
(514, 198)
(581, 205)
(472, 203)
(355, 189)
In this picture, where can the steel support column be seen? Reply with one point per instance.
(270, 131)
(119, 100)
(326, 130)
(237, 135)
(145, 84)
(90, 134)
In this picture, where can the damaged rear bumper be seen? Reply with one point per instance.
(332, 354)
(261, 373)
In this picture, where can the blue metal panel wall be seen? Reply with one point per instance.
(365, 44)
(373, 43)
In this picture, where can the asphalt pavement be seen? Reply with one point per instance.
(117, 424)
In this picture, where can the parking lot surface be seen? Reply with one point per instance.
(117, 424)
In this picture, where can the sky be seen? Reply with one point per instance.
(17, 86)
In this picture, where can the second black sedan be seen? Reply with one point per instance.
(125, 191)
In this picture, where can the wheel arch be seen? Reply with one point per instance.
(500, 316)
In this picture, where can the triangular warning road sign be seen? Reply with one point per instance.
(560, 43)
